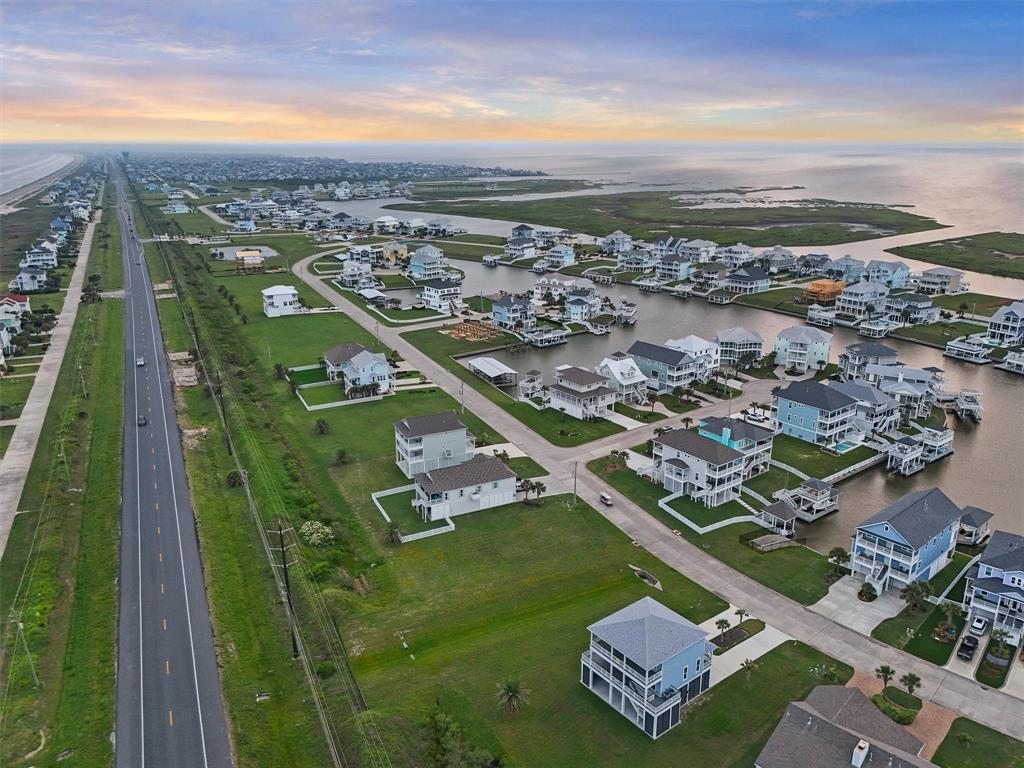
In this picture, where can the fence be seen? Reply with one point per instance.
(448, 527)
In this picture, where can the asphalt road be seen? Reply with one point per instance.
(169, 709)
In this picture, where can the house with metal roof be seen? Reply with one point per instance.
(910, 540)
(839, 727)
(279, 300)
(433, 441)
(647, 662)
(814, 413)
(940, 281)
(737, 343)
(995, 586)
(751, 279)
(975, 526)
(357, 368)
(703, 469)
(482, 482)
(520, 248)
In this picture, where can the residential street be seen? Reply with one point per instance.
(964, 696)
(168, 710)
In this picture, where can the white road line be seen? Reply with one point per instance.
(177, 522)
(138, 538)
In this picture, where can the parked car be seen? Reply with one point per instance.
(979, 625)
(606, 499)
(967, 648)
(142, 421)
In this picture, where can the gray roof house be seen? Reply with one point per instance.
(995, 586)
(838, 727)
(432, 441)
(647, 661)
(356, 366)
(479, 483)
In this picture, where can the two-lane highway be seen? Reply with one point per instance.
(169, 707)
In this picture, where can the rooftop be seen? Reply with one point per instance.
(647, 632)
(477, 471)
(430, 424)
(816, 395)
(918, 516)
(692, 444)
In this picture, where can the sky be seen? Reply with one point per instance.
(254, 71)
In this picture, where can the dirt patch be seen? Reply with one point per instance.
(191, 438)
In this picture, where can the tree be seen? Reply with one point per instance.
(687, 421)
(678, 393)
(392, 535)
(722, 625)
(741, 614)
(316, 534)
(916, 594)
(838, 557)
(999, 637)
(322, 426)
(911, 682)
(652, 399)
(962, 308)
(512, 694)
(341, 457)
(235, 478)
(885, 673)
(748, 666)
(964, 739)
(280, 371)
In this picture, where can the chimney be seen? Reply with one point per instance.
(860, 754)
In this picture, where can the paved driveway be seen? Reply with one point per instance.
(842, 606)
(1015, 683)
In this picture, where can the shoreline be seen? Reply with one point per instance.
(9, 200)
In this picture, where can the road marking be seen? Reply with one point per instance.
(156, 506)
(165, 625)
(158, 527)
(170, 717)
(138, 551)
(161, 556)
(154, 486)
(154, 467)
(161, 587)
(167, 667)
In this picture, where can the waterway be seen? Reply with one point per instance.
(986, 470)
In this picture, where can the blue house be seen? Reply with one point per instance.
(910, 540)
(426, 263)
(647, 661)
(814, 413)
(845, 268)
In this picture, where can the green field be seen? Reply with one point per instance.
(393, 317)
(775, 479)
(422, 191)
(470, 238)
(994, 253)
(458, 250)
(19, 229)
(647, 214)
(984, 748)
(811, 459)
(6, 433)
(524, 466)
(977, 303)
(796, 572)
(13, 394)
(645, 415)
(778, 299)
(938, 334)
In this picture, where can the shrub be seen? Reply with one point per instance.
(867, 593)
(892, 711)
(324, 669)
(316, 534)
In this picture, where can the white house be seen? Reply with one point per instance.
(356, 366)
(673, 268)
(617, 242)
(552, 288)
(697, 251)
(520, 248)
(481, 483)
(357, 274)
(893, 274)
(802, 348)
(737, 343)
(28, 279)
(582, 304)
(855, 359)
(13, 307)
(862, 300)
(910, 308)
(777, 259)
(703, 469)
(752, 279)
(705, 354)
(433, 441)
(443, 296)
(560, 256)
(734, 256)
(622, 374)
(385, 224)
(279, 300)
(940, 281)
(1006, 326)
(580, 393)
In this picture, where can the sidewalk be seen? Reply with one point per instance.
(16, 461)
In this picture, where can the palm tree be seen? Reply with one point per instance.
(951, 609)
(280, 371)
(512, 694)
(748, 666)
(964, 739)
(911, 682)
(652, 399)
(741, 614)
(687, 421)
(885, 673)
(722, 625)
(341, 457)
(999, 637)
(838, 557)
(322, 426)
(915, 594)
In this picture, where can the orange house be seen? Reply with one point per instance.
(823, 291)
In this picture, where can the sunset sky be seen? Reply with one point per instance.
(333, 71)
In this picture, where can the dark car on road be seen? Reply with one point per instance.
(967, 648)
(142, 421)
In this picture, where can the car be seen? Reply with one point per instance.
(967, 648)
(606, 499)
(142, 421)
(140, 361)
(979, 625)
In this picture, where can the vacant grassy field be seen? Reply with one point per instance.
(646, 214)
(811, 459)
(19, 230)
(938, 334)
(912, 632)
(796, 572)
(977, 303)
(395, 317)
(67, 549)
(780, 299)
(984, 748)
(994, 253)
(13, 394)
(557, 428)
(471, 238)
(643, 415)
(452, 190)
(459, 250)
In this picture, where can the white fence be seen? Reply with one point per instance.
(448, 527)
(702, 529)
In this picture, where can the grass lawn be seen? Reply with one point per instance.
(812, 460)
(6, 433)
(977, 303)
(646, 214)
(646, 416)
(994, 253)
(717, 389)
(989, 674)
(736, 635)
(471, 238)
(393, 317)
(247, 290)
(324, 395)
(701, 515)
(985, 748)
(777, 298)
(13, 394)
(309, 376)
(678, 406)
(565, 568)
(479, 304)
(399, 509)
(557, 428)
(938, 334)
(395, 281)
(796, 572)
(524, 466)
(912, 632)
(945, 577)
(459, 250)
(775, 479)
(582, 266)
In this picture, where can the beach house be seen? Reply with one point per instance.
(513, 313)
(941, 281)
(845, 268)
(752, 279)
(705, 354)
(814, 413)
(877, 412)
(444, 296)
(1006, 326)
(279, 300)
(802, 348)
(647, 661)
(622, 374)
(27, 280)
(437, 440)
(860, 301)
(894, 274)
(737, 345)
(777, 259)
(673, 268)
(703, 469)
(666, 368)
(426, 263)
(754, 442)
(580, 393)
(995, 586)
(856, 357)
(482, 482)
(617, 242)
(910, 540)
(358, 368)
(910, 308)
(520, 248)
(560, 256)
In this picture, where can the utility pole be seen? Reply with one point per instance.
(219, 394)
(287, 590)
(28, 654)
(462, 395)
